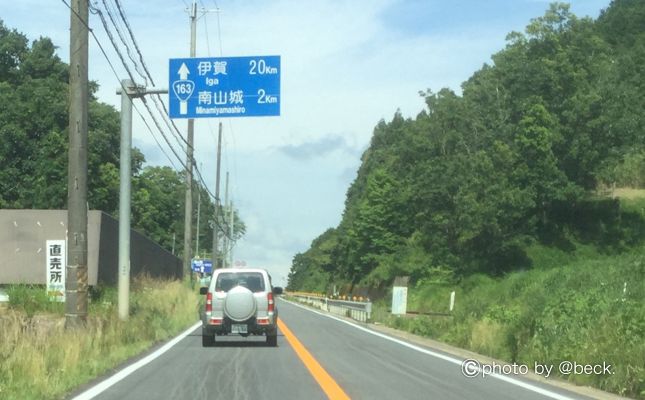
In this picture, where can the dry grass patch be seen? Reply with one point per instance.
(42, 360)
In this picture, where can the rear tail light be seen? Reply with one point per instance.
(216, 321)
(263, 321)
(209, 302)
(271, 307)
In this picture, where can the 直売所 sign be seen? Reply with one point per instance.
(224, 87)
(56, 264)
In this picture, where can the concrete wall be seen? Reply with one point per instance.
(22, 248)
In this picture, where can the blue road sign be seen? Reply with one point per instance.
(203, 266)
(224, 87)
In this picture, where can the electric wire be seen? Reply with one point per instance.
(230, 124)
(156, 100)
(118, 27)
(147, 76)
(156, 97)
(96, 11)
(156, 122)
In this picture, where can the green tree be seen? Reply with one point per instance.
(34, 94)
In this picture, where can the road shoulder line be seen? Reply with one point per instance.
(451, 359)
(125, 372)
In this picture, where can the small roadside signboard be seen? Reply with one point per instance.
(56, 265)
(400, 295)
(203, 266)
(219, 87)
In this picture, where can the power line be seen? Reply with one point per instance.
(98, 42)
(96, 11)
(136, 46)
(230, 124)
(219, 30)
(156, 100)
(156, 97)
(118, 27)
(154, 137)
(208, 43)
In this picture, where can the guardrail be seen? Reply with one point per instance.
(358, 310)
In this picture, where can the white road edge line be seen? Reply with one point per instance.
(504, 378)
(104, 385)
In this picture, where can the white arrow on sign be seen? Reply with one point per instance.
(183, 71)
(183, 76)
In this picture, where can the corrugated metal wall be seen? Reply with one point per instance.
(22, 248)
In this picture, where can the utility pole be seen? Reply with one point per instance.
(231, 241)
(76, 269)
(188, 213)
(215, 222)
(225, 240)
(128, 91)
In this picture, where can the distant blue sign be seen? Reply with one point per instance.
(224, 87)
(203, 266)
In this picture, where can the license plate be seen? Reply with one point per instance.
(239, 328)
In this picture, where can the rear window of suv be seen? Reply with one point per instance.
(250, 280)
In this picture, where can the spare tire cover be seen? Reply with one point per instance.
(239, 304)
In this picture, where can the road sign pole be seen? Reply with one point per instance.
(128, 91)
(125, 165)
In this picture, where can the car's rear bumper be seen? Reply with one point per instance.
(252, 327)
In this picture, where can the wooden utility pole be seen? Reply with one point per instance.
(76, 271)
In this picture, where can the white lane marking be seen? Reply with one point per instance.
(119, 376)
(504, 378)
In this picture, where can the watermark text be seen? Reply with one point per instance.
(472, 368)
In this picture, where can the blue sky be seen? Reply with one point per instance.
(345, 66)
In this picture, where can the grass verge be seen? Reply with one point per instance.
(584, 311)
(41, 360)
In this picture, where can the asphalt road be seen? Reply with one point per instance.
(364, 366)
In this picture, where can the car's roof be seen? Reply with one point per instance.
(260, 270)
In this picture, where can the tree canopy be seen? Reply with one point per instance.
(472, 180)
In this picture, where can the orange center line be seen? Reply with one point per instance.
(326, 382)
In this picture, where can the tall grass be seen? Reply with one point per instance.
(42, 360)
(577, 311)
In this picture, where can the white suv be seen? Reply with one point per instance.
(240, 301)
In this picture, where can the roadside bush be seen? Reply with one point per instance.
(30, 299)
